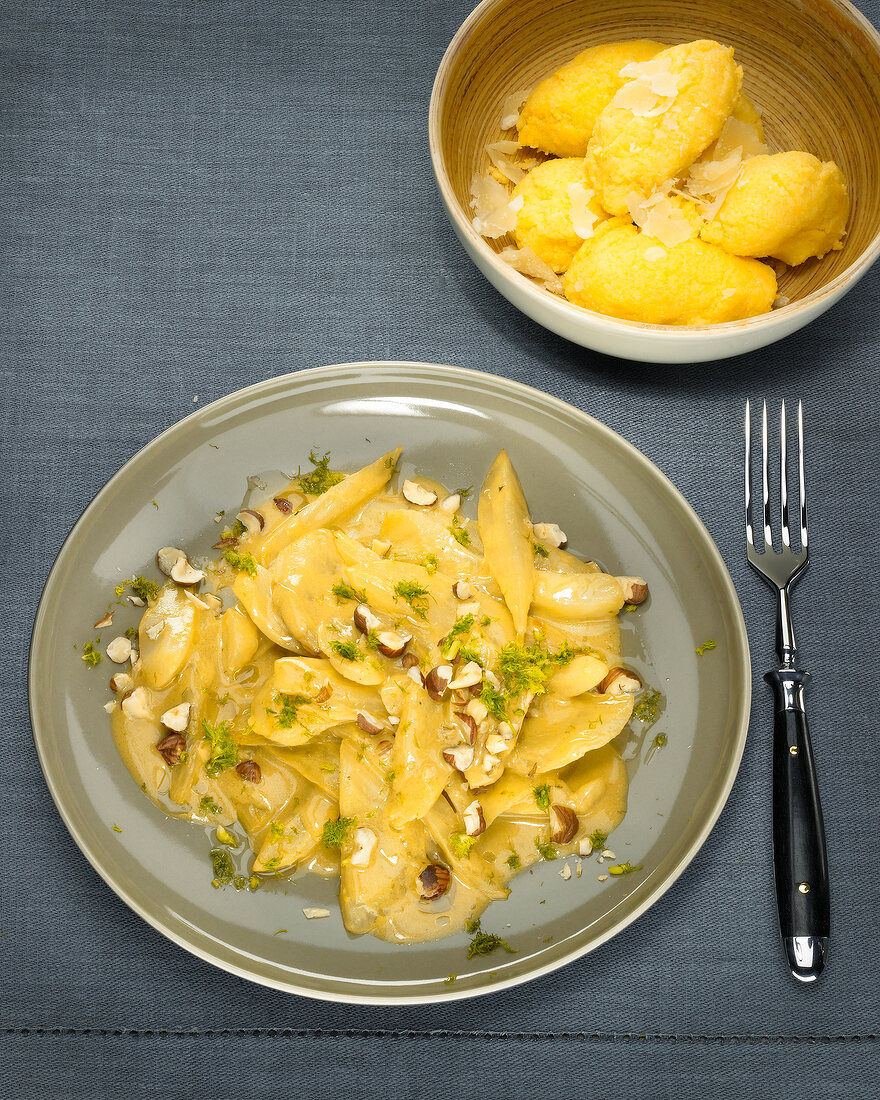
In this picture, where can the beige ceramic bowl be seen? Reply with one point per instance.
(811, 66)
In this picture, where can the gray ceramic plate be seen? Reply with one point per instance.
(614, 505)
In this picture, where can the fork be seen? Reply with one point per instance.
(799, 859)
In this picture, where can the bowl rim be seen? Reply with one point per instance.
(560, 308)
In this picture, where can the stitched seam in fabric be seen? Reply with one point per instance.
(353, 1033)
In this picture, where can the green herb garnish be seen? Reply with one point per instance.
(542, 798)
(461, 845)
(493, 701)
(244, 562)
(321, 478)
(415, 594)
(429, 562)
(288, 705)
(208, 806)
(343, 592)
(224, 751)
(648, 708)
(459, 532)
(701, 649)
(598, 838)
(540, 551)
(514, 862)
(336, 832)
(624, 868)
(348, 651)
(484, 943)
(545, 848)
(224, 868)
(90, 655)
(460, 628)
(147, 590)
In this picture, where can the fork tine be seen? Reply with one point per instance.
(783, 477)
(802, 486)
(765, 482)
(750, 536)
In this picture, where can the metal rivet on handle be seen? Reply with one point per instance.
(804, 887)
(793, 749)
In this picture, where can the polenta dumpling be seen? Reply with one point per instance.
(557, 201)
(689, 92)
(559, 115)
(791, 206)
(624, 273)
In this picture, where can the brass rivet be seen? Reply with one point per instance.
(793, 750)
(804, 887)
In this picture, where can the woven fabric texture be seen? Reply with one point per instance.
(197, 196)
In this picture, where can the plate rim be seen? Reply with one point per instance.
(741, 659)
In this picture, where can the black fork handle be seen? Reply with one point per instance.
(799, 856)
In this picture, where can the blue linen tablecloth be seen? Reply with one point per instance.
(197, 196)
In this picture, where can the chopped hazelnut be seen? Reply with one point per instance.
(391, 644)
(368, 723)
(324, 694)
(418, 494)
(409, 660)
(462, 590)
(167, 557)
(452, 503)
(136, 601)
(469, 723)
(197, 601)
(459, 757)
(474, 822)
(105, 620)
(380, 547)
(433, 881)
(170, 747)
(250, 771)
(183, 573)
(136, 704)
(477, 710)
(365, 620)
(552, 533)
(283, 505)
(619, 681)
(437, 681)
(252, 521)
(177, 718)
(471, 674)
(495, 744)
(365, 841)
(563, 824)
(119, 650)
(121, 682)
(635, 589)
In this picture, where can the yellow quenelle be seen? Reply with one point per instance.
(559, 115)
(557, 200)
(791, 206)
(624, 273)
(662, 120)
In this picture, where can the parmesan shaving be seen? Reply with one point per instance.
(583, 219)
(511, 107)
(516, 204)
(779, 301)
(493, 216)
(650, 89)
(527, 262)
(658, 216)
(499, 152)
(736, 134)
